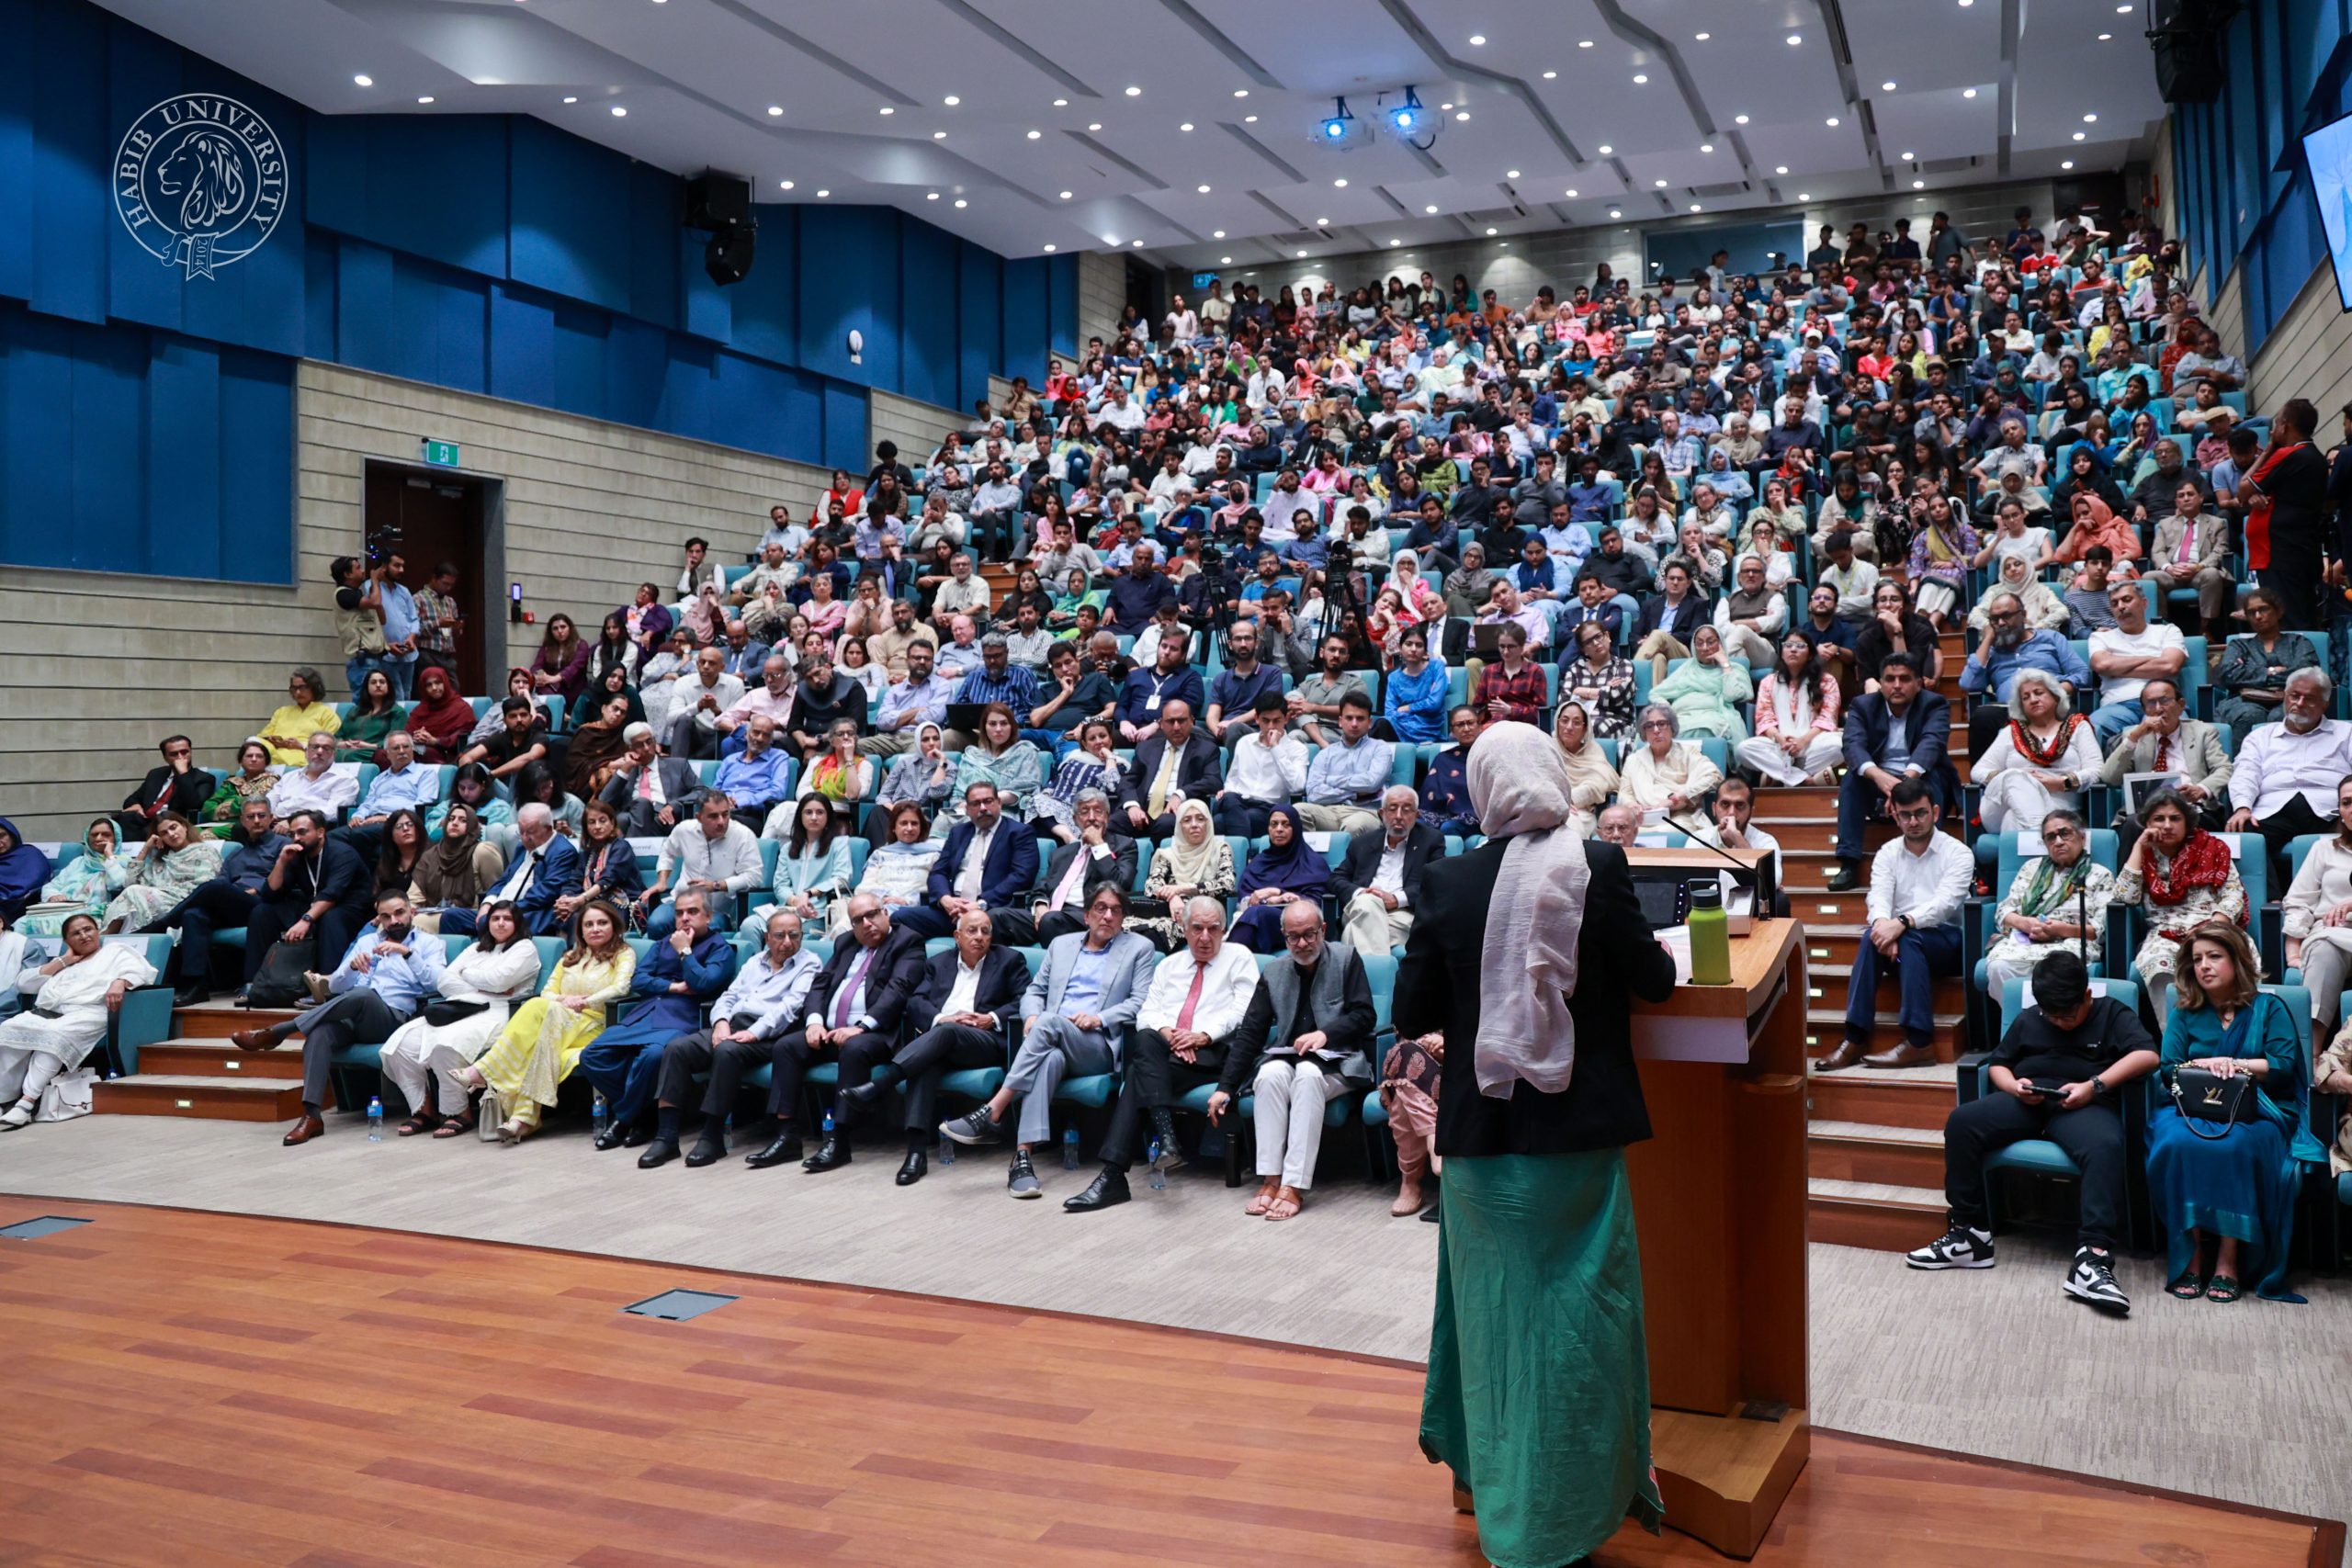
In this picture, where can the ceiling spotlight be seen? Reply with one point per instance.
(1186, 126)
(2123, 10)
(1606, 149)
(572, 100)
(1805, 195)
(1249, 120)
(1831, 120)
(786, 185)
(1640, 80)
(1109, 239)
(1464, 114)
(1061, 103)
(888, 109)
(1702, 36)
(1134, 92)
(1065, 195)
(2106, 38)
(1394, 244)
(1780, 168)
(1510, 173)
(362, 81)
(1694, 206)
(1094, 125)
(1477, 40)
(1706, 146)
(939, 136)
(1572, 191)
(931, 195)
(1906, 157)
(1796, 38)
(951, 100)
(822, 194)
(1739, 119)
(2078, 136)
(1584, 43)
(619, 113)
(1138, 244)
(1035, 134)
(1614, 213)
(2090, 119)
(1339, 184)
(2067, 164)
(1322, 222)
(1968, 92)
(427, 99)
(1886, 86)
(1225, 261)
(1216, 234)
(959, 201)
(1493, 230)
(1431, 208)
(1302, 255)
(774, 109)
(1660, 184)
(1241, 92)
(1049, 247)
(1203, 189)
(1551, 76)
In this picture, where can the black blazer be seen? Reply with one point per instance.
(891, 980)
(1199, 772)
(680, 784)
(1118, 868)
(1004, 975)
(1437, 988)
(1011, 864)
(1361, 862)
(183, 792)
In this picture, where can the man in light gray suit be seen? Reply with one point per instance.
(1075, 1018)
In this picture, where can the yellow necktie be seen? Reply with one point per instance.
(1157, 802)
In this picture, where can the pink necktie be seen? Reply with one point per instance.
(1191, 998)
(1070, 879)
(849, 988)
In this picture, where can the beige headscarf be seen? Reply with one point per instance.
(1518, 786)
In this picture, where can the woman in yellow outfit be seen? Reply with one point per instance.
(304, 715)
(542, 1043)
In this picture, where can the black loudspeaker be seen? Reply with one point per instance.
(2188, 67)
(717, 201)
(728, 257)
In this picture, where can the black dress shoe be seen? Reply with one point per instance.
(191, 996)
(911, 1168)
(1109, 1187)
(783, 1151)
(610, 1138)
(831, 1154)
(660, 1152)
(1849, 877)
(635, 1136)
(708, 1152)
(861, 1096)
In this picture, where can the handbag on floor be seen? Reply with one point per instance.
(281, 981)
(488, 1114)
(2202, 1096)
(66, 1096)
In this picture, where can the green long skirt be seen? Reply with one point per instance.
(1539, 1384)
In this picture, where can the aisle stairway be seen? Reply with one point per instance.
(1874, 1150)
(198, 1073)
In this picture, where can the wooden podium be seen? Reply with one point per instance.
(1719, 1203)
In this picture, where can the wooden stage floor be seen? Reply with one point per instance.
(191, 1390)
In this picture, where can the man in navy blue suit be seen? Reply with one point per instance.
(546, 870)
(985, 863)
(684, 972)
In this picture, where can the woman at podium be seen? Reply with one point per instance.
(1538, 1392)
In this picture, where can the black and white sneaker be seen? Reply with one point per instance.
(1021, 1181)
(1960, 1248)
(2092, 1280)
(974, 1131)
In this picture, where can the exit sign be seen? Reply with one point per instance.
(440, 454)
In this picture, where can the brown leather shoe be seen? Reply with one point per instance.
(253, 1040)
(1848, 1055)
(1903, 1055)
(309, 1127)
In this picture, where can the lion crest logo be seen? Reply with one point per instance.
(200, 181)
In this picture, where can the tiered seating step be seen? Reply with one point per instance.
(1865, 1150)
(220, 1019)
(1871, 1214)
(210, 1098)
(217, 1058)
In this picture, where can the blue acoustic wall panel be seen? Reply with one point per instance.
(929, 363)
(984, 284)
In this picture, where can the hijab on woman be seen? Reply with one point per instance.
(1518, 786)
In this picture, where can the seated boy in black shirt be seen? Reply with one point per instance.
(2083, 1049)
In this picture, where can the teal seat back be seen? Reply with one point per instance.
(2013, 993)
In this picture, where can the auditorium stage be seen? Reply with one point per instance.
(205, 1389)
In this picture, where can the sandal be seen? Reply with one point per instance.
(2222, 1290)
(2187, 1288)
(422, 1121)
(456, 1126)
(1258, 1204)
(512, 1131)
(1286, 1208)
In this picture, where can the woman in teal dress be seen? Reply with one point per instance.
(2234, 1187)
(82, 885)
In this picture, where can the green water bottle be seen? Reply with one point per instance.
(1710, 935)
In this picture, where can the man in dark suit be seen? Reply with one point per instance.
(986, 862)
(961, 1017)
(853, 1008)
(318, 887)
(1902, 730)
(1379, 885)
(650, 806)
(177, 785)
(546, 869)
(684, 970)
(1179, 760)
(1072, 874)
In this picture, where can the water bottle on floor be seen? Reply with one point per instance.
(601, 1117)
(1158, 1177)
(1070, 1149)
(946, 1150)
(374, 1121)
(829, 1124)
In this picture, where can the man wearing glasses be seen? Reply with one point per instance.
(2007, 646)
(1918, 883)
(178, 786)
(2166, 741)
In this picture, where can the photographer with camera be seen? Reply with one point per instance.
(358, 617)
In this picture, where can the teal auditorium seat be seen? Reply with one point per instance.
(2041, 1157)
(145, 1017)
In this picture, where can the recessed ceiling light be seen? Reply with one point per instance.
(1241, 92)
(1216, 234)
(931, 195)
(939, 136)
(1739, 119)
(2123, 10)
(1394, 244)
(572, 99)
(1138, 244)
(1186, 126)
(1339, 184)
(822, 194)
(1919, 185)
(1572, 191)
(427, 99)
(1094, 125)
(1694, 206)
(1906, 157)
(1780, 168)
(1493, 230)
(951, 100)
(2067, 164)
(1249, 120)
(619, 113)
(1968, 92)
(1661, 185)
(1796, 38)
(2090, 119)
(1061, 103)
(1134, 92)
(886, 108)
(1584, 43)
(1203, 189)
(774, 109)
(2078, 136)
(783, 185)
(1706, 146)
(1551, 76)
(1109, 239)
(1832, 120)
(1065, 195)
(1805, 195)
(1464, 114)
(959, 201)
(1510, 173)
(362, 81)
(1702, 36)
(1225, 261)
(1477, 40)
(1614, 213)
(1035, 134)
(2106, 38)
(1640, 80)
(1302, 255)
(1886, 86)
(1049, 247)
(1431, 208)
(1606, 148)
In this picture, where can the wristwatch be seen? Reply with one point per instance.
(2101, 1088)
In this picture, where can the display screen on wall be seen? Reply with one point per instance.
(2328, 153)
